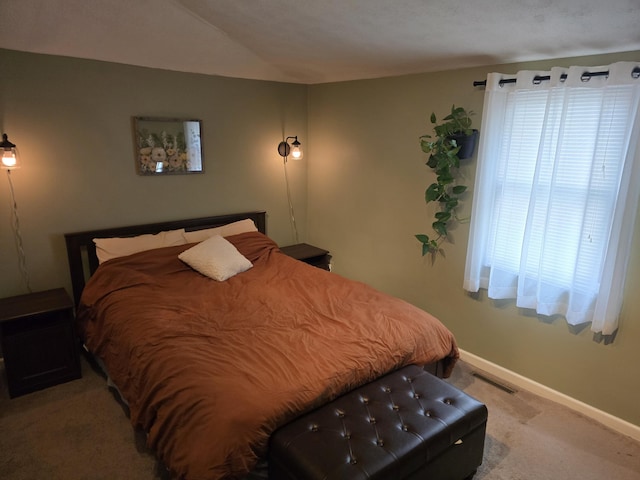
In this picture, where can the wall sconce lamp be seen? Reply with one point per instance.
(10, 161)
(295, 149)
(10, 157)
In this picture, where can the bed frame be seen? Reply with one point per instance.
(81, 251)
(83, 262)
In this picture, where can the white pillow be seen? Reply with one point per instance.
(108, 248)
(234, 228)
(216, 258)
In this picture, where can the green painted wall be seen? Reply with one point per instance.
(359, 192)
(366, 188)
(71, 120)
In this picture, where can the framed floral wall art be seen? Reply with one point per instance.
(167, 146)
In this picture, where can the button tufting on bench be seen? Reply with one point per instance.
(401, 426)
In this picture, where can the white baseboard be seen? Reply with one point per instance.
(517, 380)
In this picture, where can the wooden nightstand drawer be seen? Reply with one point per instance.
(38, 341)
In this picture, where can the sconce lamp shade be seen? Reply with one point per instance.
(10, 157)
(295, 149)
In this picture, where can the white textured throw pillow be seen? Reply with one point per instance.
(216, 258)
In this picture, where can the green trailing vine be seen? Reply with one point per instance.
(443, 149)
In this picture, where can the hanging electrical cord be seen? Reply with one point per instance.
(291, 214)
(15, 223)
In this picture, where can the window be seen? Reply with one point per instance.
(556, 191)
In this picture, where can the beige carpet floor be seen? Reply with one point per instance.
(531, 438)
(79, 430)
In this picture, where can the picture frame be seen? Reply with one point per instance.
(167, 146)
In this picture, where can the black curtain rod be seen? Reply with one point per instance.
(635, 73)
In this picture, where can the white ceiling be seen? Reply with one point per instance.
(317, 41)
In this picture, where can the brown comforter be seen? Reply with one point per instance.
(211, 368)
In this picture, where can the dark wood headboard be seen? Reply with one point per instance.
(81, 251)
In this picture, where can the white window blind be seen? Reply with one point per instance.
(556, 192)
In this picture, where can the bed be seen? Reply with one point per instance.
(211, 367)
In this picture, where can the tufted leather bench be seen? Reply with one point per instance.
(408, 424)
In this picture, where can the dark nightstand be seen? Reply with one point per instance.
(315, 256)
(38, 340)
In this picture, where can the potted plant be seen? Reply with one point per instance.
(445, 151)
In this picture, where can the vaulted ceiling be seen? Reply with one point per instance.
(317, 41)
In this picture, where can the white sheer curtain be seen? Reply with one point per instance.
(556, 191)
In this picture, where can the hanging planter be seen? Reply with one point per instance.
(467, 143)
(454, 140)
